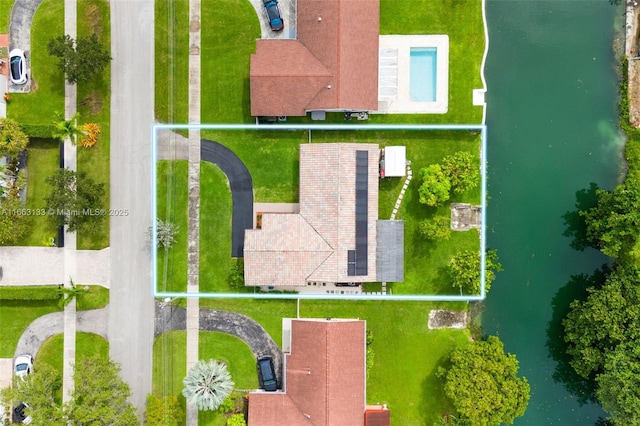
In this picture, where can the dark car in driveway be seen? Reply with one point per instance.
(267, 374)
(273, 13)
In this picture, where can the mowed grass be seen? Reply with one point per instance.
(47, 81)
(169, 365)
(88, 345)
(96, 297)
(229, 32)
(215, 230)
(172, 200)
(43, 159)
(407, 354)
(5, 15)
(94, 102)
(15, 317)
(172, 60)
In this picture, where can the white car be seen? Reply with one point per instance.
(23, 365)
(17, 67)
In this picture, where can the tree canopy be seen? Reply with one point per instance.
(163, 411)
(12, 138)
(613, 225)
(463, 171)
(435, 187)
(75, 200)
(80, 60)
(483, 386)
(435, 228)
(465, 266)
(100, 395)
(13, 223)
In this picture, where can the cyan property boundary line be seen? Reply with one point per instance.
(310, 127)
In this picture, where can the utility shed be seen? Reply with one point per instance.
(393, 161)
(390, 251)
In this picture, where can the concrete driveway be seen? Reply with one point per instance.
(288, 13)
(20, 35)
(241, 190)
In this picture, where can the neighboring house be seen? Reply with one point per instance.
(337, 237)
(324, 378)
(332, 65)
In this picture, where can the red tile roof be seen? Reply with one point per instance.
(324, 378)
(378, 417)
(333, 64)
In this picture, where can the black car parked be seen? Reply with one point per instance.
(273, 13)
(266, 374)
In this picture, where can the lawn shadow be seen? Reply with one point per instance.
(576, 227)
(576, 289)
(433, 389)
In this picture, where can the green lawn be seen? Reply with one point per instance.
(172, 60)
(169, 365)
(5, 15)
(87, 345)
(43, 159)
(172, 207)
(47, 81)
(96, 298)
(94, 100)
(215, 230)
(16, 315)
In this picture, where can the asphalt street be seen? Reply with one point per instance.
(241, 190)
(131, 306)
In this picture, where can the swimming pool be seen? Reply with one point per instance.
(423, 72)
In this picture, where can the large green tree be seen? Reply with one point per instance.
(613, 225)
(75, 200)
(12, 138)
(619, 383)
(38, 390)
(483, 385)
(435, 187)
(100, 395)
(80, 60)
(609, 317)
(464, 269)
(463, 171)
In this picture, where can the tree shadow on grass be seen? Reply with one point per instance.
(576, 227)
(576, 289)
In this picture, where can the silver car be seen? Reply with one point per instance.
(17, 67)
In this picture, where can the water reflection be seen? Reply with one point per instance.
(576, 289)
(576, 227)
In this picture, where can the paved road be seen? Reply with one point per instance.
(241, 190)
(131, 306)
(169, 317)
(94, 321)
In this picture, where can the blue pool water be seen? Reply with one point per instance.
(422, 75)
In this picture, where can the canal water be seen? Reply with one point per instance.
(552, 130)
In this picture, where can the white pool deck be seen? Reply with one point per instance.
(394, 73)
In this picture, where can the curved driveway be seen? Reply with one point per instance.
(241, 190)
(93, 321)
(169, 317)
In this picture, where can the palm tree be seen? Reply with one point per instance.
(68, 128)
(207, 384)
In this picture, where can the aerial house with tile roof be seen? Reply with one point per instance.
(336, 237)
(324, 378)
(331, 65)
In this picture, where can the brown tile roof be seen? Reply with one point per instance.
(379, 417)
(337, 46)
(324, 378)
(291, 249)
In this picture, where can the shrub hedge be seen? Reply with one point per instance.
(30, 293)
